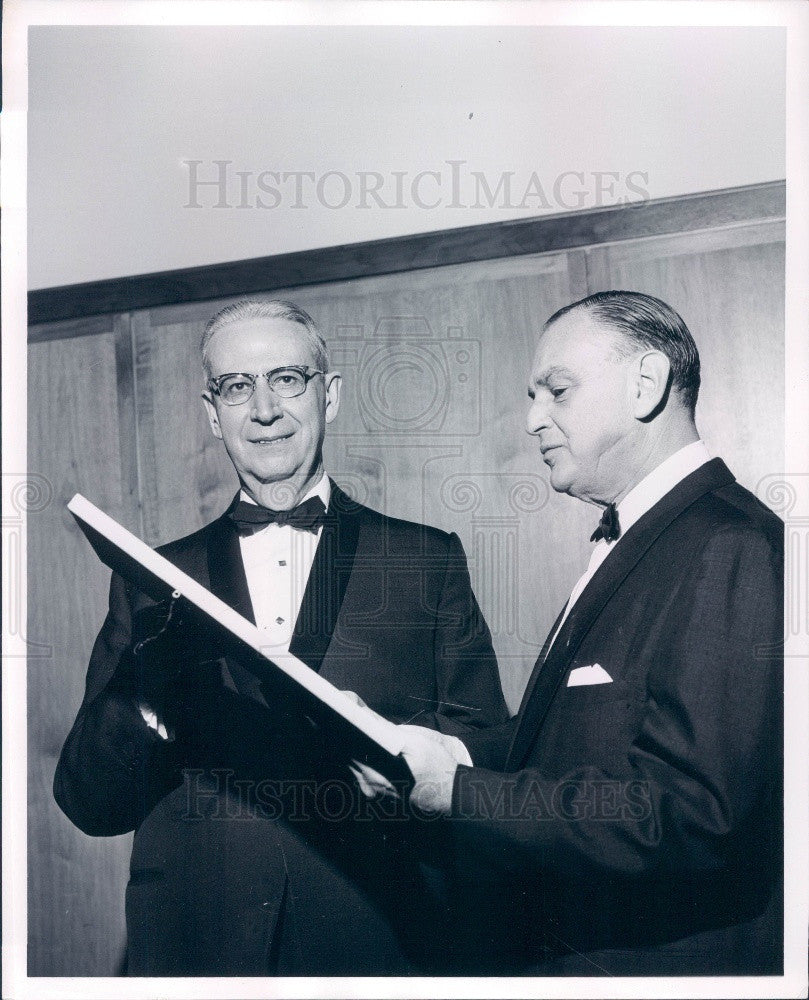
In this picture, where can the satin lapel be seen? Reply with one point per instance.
(546, 677)
(226, 569)
(229, 583)
(328, 579)
(532, 680)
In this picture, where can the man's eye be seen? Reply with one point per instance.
(560, 391)
(286, 379)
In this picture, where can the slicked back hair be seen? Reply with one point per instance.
(645, 321)
(266, 309)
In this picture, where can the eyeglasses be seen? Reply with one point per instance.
(237, 387)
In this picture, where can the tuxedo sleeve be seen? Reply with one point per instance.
(112, 763)
(469, 695)
(698, 785)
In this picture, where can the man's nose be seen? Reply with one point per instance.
(265, 406)
(537, 419)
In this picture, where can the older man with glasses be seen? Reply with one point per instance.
(242, 864)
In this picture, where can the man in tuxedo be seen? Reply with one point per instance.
(628, 820)
(251, 855)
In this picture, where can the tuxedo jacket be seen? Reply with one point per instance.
(634, 827)
(252, 855)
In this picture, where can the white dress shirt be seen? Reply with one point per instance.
(277, 563)
(635, 504)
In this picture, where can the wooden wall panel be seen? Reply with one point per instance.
(186, 477)
(75, 883)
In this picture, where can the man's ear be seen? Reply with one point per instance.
(334, 382)
(650, 383)
(213, 418)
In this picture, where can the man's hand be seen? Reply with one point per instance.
(433, 759)
(454, 747)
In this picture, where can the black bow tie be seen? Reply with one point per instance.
(609, 528)
(249, 517)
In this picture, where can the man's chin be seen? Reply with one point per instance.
(561, 481)
(276, 489)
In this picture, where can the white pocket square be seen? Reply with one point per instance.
(594, 674)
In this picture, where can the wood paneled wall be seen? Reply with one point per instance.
(435, 362)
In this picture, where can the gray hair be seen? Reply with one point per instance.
(266, 309)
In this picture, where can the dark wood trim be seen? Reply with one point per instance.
(82, 326)
(406, 253)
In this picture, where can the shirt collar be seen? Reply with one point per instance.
(659, 482)
(322, 489)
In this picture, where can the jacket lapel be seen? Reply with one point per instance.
(225, 566)
(547, 675)
(229, 582)
(543, 653)
(328, 579)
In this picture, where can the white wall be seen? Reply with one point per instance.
(114, 112)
